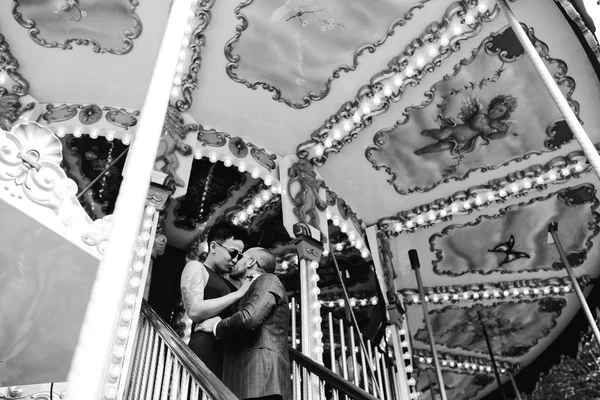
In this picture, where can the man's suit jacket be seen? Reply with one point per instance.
(256, 361)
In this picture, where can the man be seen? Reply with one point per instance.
(207, 294)
(256, 362)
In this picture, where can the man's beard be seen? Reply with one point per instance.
(237, 274)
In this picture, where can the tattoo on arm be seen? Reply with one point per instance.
(192, 287)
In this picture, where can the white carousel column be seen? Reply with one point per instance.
(309, 253)
(570, 117)
(88, 367)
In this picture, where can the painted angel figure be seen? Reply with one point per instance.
(461, 138)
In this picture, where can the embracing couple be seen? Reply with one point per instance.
(240, 313)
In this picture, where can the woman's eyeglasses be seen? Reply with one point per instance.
(233, 253)
(236, 255)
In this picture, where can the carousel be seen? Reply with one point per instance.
(425, 172)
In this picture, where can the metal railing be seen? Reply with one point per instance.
(165, 368)
(331, 385)
(368, 368)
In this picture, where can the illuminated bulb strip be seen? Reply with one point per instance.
(367, 106)
(257, 205)
(94, 133)
(354, 233)
(407, 356)
(354, 302)
(248, 164)
(483, 199)
(128, 318)
(448, 362)
(315, 312)
(490, 294)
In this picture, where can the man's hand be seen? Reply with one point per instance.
(208, 324)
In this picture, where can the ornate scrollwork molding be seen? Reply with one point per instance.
(189, 80)
(99, 233)
(14, 102)
(237, 150)
(404, 71)
(128, 36)
(30, 159)
(90, 116)
(10, 65)
(234, 59)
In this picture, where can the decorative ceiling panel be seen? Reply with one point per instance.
(515, 238)
(109, 26)
(513, 327)
(459, 386)
(297, 49)
(493, 109)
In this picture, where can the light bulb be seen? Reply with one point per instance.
(319, 150)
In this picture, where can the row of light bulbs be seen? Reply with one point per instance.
(467, 366)
(484, 199)
(316, 333)
(94, 133)
(412, 383)
(476, 295)
(393, 84)
(260, 200)
(354, 302)
(127, 312)
(353, 236)
(184, 53)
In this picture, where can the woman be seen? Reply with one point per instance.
(207, 294)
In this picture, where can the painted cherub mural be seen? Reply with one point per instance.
(462, 138)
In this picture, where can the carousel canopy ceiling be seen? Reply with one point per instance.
(427, 117)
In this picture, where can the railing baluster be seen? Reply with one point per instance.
(370, 354)
(343, 353)
(160, 368)
(386, 378)
(395, 372)
(194, 392)
(144, 333)
(153, 362)
(331, 342)
(185, 384)
(148, 344)
(175, 380)
(353, 353)
(364, 370)
(298, 381)
(379, 377)
(332, 350)
(167, 377)
(343, 350)
(294, 327)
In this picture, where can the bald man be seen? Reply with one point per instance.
(256, 362)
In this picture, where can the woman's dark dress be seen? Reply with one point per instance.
(204, 344)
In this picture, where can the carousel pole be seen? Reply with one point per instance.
(491, 352)
(568, 114)
(553, 230)
(414, 262)
(515, 387)
(88, 372)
